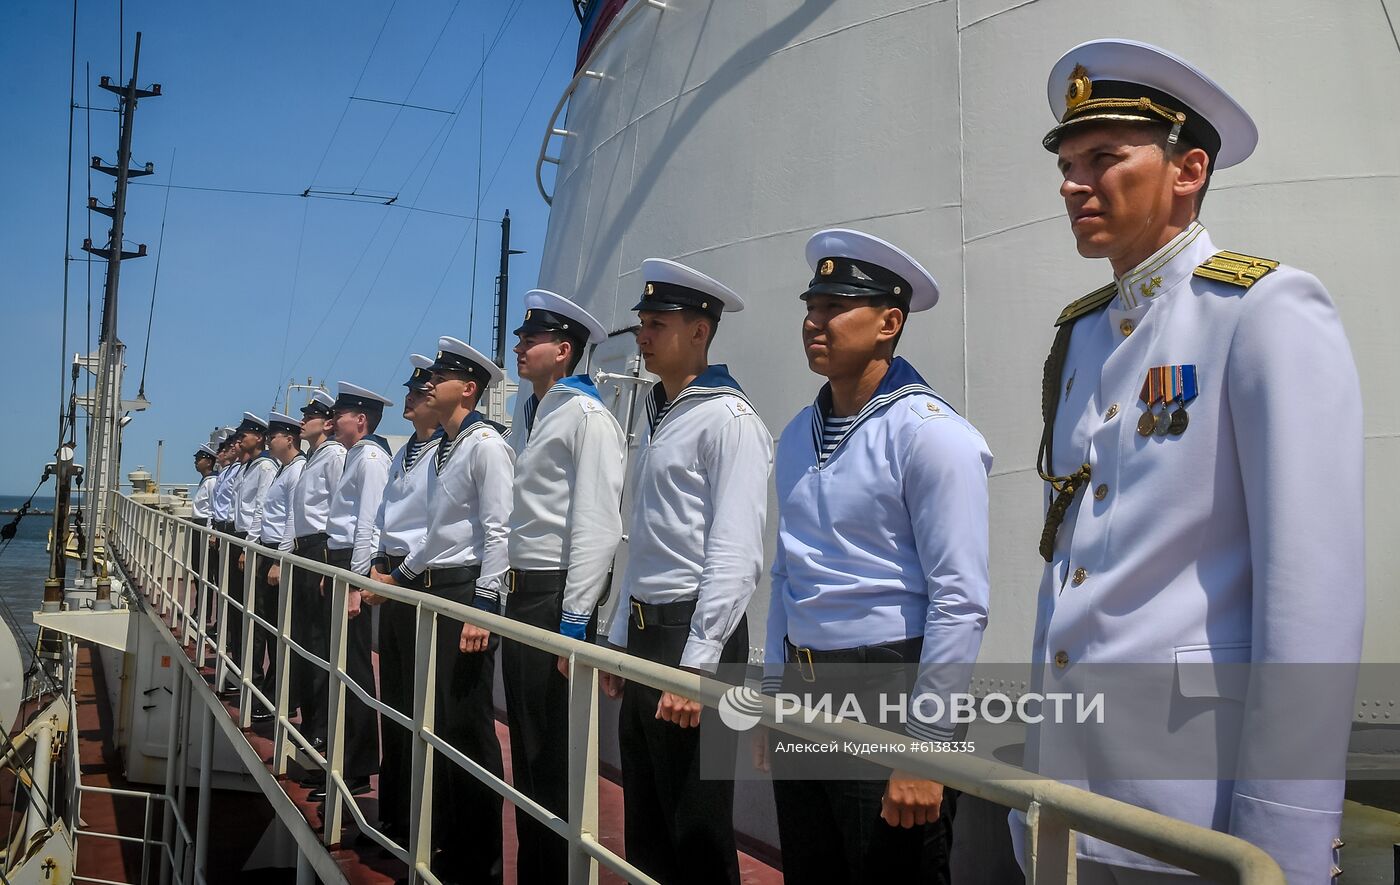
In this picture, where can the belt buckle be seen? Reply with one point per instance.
(427, 578)
(510, 581)
(809, 673)
(637, 613)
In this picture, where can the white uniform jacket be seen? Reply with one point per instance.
(1238, 541)
(355, 503)
(468, 504)
(202, 505)
(251, 494)
(886, 540)
(699, 502)
(403, 514)
(278, 503)
(311, 497)
(570, 456)
(225, 489)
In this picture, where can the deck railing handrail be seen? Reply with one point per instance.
(152, 547)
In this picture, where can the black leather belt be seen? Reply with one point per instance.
(221, 525)
(663, 614)
(452, 574)
(900, 651)
(307, 542)
(536, 580)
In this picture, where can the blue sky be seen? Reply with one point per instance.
(255, 289)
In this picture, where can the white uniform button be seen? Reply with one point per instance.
(1126, 327)
(1080, 575)
(1112, 410)
(1062, 659)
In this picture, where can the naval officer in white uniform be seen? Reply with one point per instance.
(880, 583)
(249, 494)
(1203, 450)
(352, 538)
(403, 522)
(284, 444)
(565, 527)
(225, 488)
(306, 537)
(462, 557)
(695, 550)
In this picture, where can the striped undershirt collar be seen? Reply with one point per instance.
(901, 380)
(714, 381)
(449, 445)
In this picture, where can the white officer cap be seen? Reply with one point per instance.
(277, 422)
(848, 262)
(419, 379)
(354, 398)
(1130, 81)
(670, 285)
(455, 355)
(252, 424)
(547, 312)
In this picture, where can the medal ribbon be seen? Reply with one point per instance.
(1183, 384)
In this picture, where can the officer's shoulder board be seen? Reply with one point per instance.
(1087, 305)
(1235, 268)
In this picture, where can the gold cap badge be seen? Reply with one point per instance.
(827, 268)
(527, 314)
(650, 290)
(1080, 88)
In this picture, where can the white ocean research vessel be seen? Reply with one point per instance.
(722, 134)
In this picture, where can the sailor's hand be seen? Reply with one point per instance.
(274, 574)
(910, 800)
(474, 638)
(678, 710)
(242, 560)
(352, 606)
(611, 683)
(213, 542)
(762, 757)
(562, 663)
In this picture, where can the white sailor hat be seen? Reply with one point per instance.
(669, 285)
(419, 379)
(320, 406)
(205, 451)
(458, 356)
(252, 424)
(547, 312)
(280, 423)
(851, 263)
(1130, 81)
(354, 398)
(225, 437)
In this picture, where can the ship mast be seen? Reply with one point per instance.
(104, 453)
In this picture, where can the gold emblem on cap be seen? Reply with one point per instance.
(1080, 88)
(896, 290)
(527, 314)
(650, 290)
(827, 268)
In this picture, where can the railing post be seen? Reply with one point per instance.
(420, 816)
(162, 565)
(221, 624)
(282, 665)
(583, 768)
(333, 814)
(1051, 852)
(248, 628)
(206, 763)
(172, 754)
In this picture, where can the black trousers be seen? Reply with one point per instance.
(361, 722)
(397, 660)
(467, 828)
(197, 544)
(537, 710)
(264, 643)
(237, 594)
(828, 806)
(679, 826)
(310, 628)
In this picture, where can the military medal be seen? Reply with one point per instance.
(1152, 391)
(1183, 391)
(1178, 422)
(1146, 423)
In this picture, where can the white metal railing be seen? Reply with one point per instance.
(175, 860)
(151, 547)
(551, 130)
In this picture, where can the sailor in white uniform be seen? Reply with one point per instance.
(880, 583)
(352, 539)
(695, 551)
(463, 558)
(1203, 454)
(202, 502)
(565, 526)
(284, 444)
(403, 522)
(306, 536)
(250, 493)
(221, 502)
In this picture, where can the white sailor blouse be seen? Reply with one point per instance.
(311, 496)
(403, 512)
(251, 493)
(354, 504)
(278, 502)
